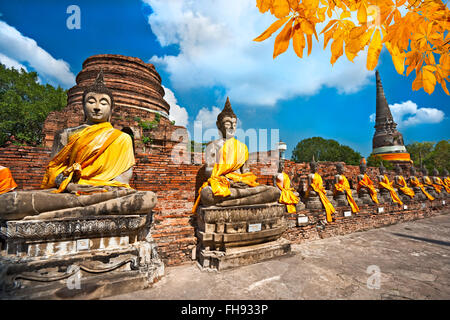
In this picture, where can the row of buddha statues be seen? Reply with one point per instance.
(92, 166)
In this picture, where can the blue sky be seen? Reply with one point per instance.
(204, 52)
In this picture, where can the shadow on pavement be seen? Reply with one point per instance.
(444, 243)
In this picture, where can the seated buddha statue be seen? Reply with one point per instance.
(428, 183)
(230, 182)
(90, 172)
(446, 180)
(419, 189)
(405, 192)
(7, 182)
(387, 191)
(342, 189)
(316, 193)
(439, 184)
(365, 185)
(289, 196)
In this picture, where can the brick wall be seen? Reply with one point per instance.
(176, 186)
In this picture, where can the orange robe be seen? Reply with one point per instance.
(447, 181)
(436, 187)
(343, 185)
(96, 154)
(7, 182)
(416, 183)
(367, 183)
(443, 185)
(232, 156)
(404, 187)
(317, 186)
(386, 184)
(287, 195)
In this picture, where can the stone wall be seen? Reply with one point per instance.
(176, 186)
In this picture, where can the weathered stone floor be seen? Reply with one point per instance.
(413, 259)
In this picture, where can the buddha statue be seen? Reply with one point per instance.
(446, 181)
(387, 191)
(365, 185)
(342, 188)
(420, 194)
(405, 193)
(438, 184)
(289, 196)
(428, 183)
(230, 182)
(316, 195)
(89, 173)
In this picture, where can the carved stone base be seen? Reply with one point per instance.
(90, 258)
(313, 201)
(222, 228)
(241, 256)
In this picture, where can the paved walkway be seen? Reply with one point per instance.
(404, 261)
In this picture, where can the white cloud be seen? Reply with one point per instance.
(207, 117)
(23, 49)
(11, 63)
(216, 49)
(177, 113)
(407, 114)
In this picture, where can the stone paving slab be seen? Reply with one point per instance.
(404, 261)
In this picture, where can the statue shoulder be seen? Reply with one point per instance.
(62, 137)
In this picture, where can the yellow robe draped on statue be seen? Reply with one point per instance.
(447, 181)
(443, 185)
(317, 186)
(404, 187)
(7, 182)
(416, 183)
(96, 154)
(436, 187)
(232, 156)
(386, 184)
(367, 183)
(287, 195)
(343, 185)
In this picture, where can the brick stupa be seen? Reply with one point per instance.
(138, 97)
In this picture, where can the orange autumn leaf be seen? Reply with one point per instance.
(298, 40)
(374, 51)
(280, 8)
(283, 39)
(273, 27)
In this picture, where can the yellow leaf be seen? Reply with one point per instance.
(264, 5)
(280, 8)
(329, 13)
(329, 24)
(444, 87)
(365, 38)
(374, 51)
(293, 4)
(362, 13)
(336, 50)
(356, 32)
(309, 39)
(307, 27)
(273, 27)
(417, 83)
(344, 14)
(429, 80)
(444, 61)
(282, 40)
(321, 13)
(327, 36)
(398, 58)
(400, 3)
(298, 40)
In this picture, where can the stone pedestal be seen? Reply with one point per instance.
(341, 199)
(240, 235)
(88, 258)
(364, 197)
(384, 196)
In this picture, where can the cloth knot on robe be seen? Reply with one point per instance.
(366, 182)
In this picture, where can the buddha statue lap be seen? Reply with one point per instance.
(230, 182)
(89, 173)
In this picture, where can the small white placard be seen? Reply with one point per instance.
(405, 207)
(82, 244)
(254, 227)
(302, 219)
(443, 202)
(381, 210)
(347, 213)
(423, 205)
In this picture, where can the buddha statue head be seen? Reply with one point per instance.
(382, 169)
(444, 173)
(313, 165)
(98, 102)
(362, 166)
(398, 170)
(412, 171)
(435, 172)
(424, 171)
(226, 121)
(339, 168)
